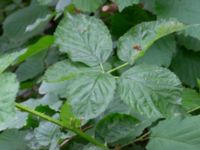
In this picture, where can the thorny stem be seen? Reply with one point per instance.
(59, 123)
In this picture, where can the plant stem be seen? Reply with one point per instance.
(41, 115)
(65, 141)
(89, 138)
(102, 68)
(136, 57)
(141, 138)
(59, 123)
(194, 109)
(118, 67)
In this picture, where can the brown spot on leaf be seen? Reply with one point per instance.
(137, 47)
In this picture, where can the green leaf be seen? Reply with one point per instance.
(52, 57)
(9, 88)
(139, 38)
(186, 65)
(45, 2)
(190, 38)
(62, 4)
(47, 134)
(13, 140)
(190, 100)
(184, 10)
(150, 90)
(32, 67)
(192, 31)
(176, 133)
(125, 3)
(149, 5)
(189, 42)
(85, 39)
(129, 17)
(66, 113)
(24, 18)
(61, 71)
(90, 94)
(88, 5)
(42, 44)
(91, 147)
(118, 106)
(118, 128)
(65, 70)
(50, 99)
(58, 77)
(58, 88)
(16, 122)
(162, 50)
(7, 59)
(32, 142)
(198, 82)
(67, 116)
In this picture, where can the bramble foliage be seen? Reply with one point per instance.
(99, 74)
